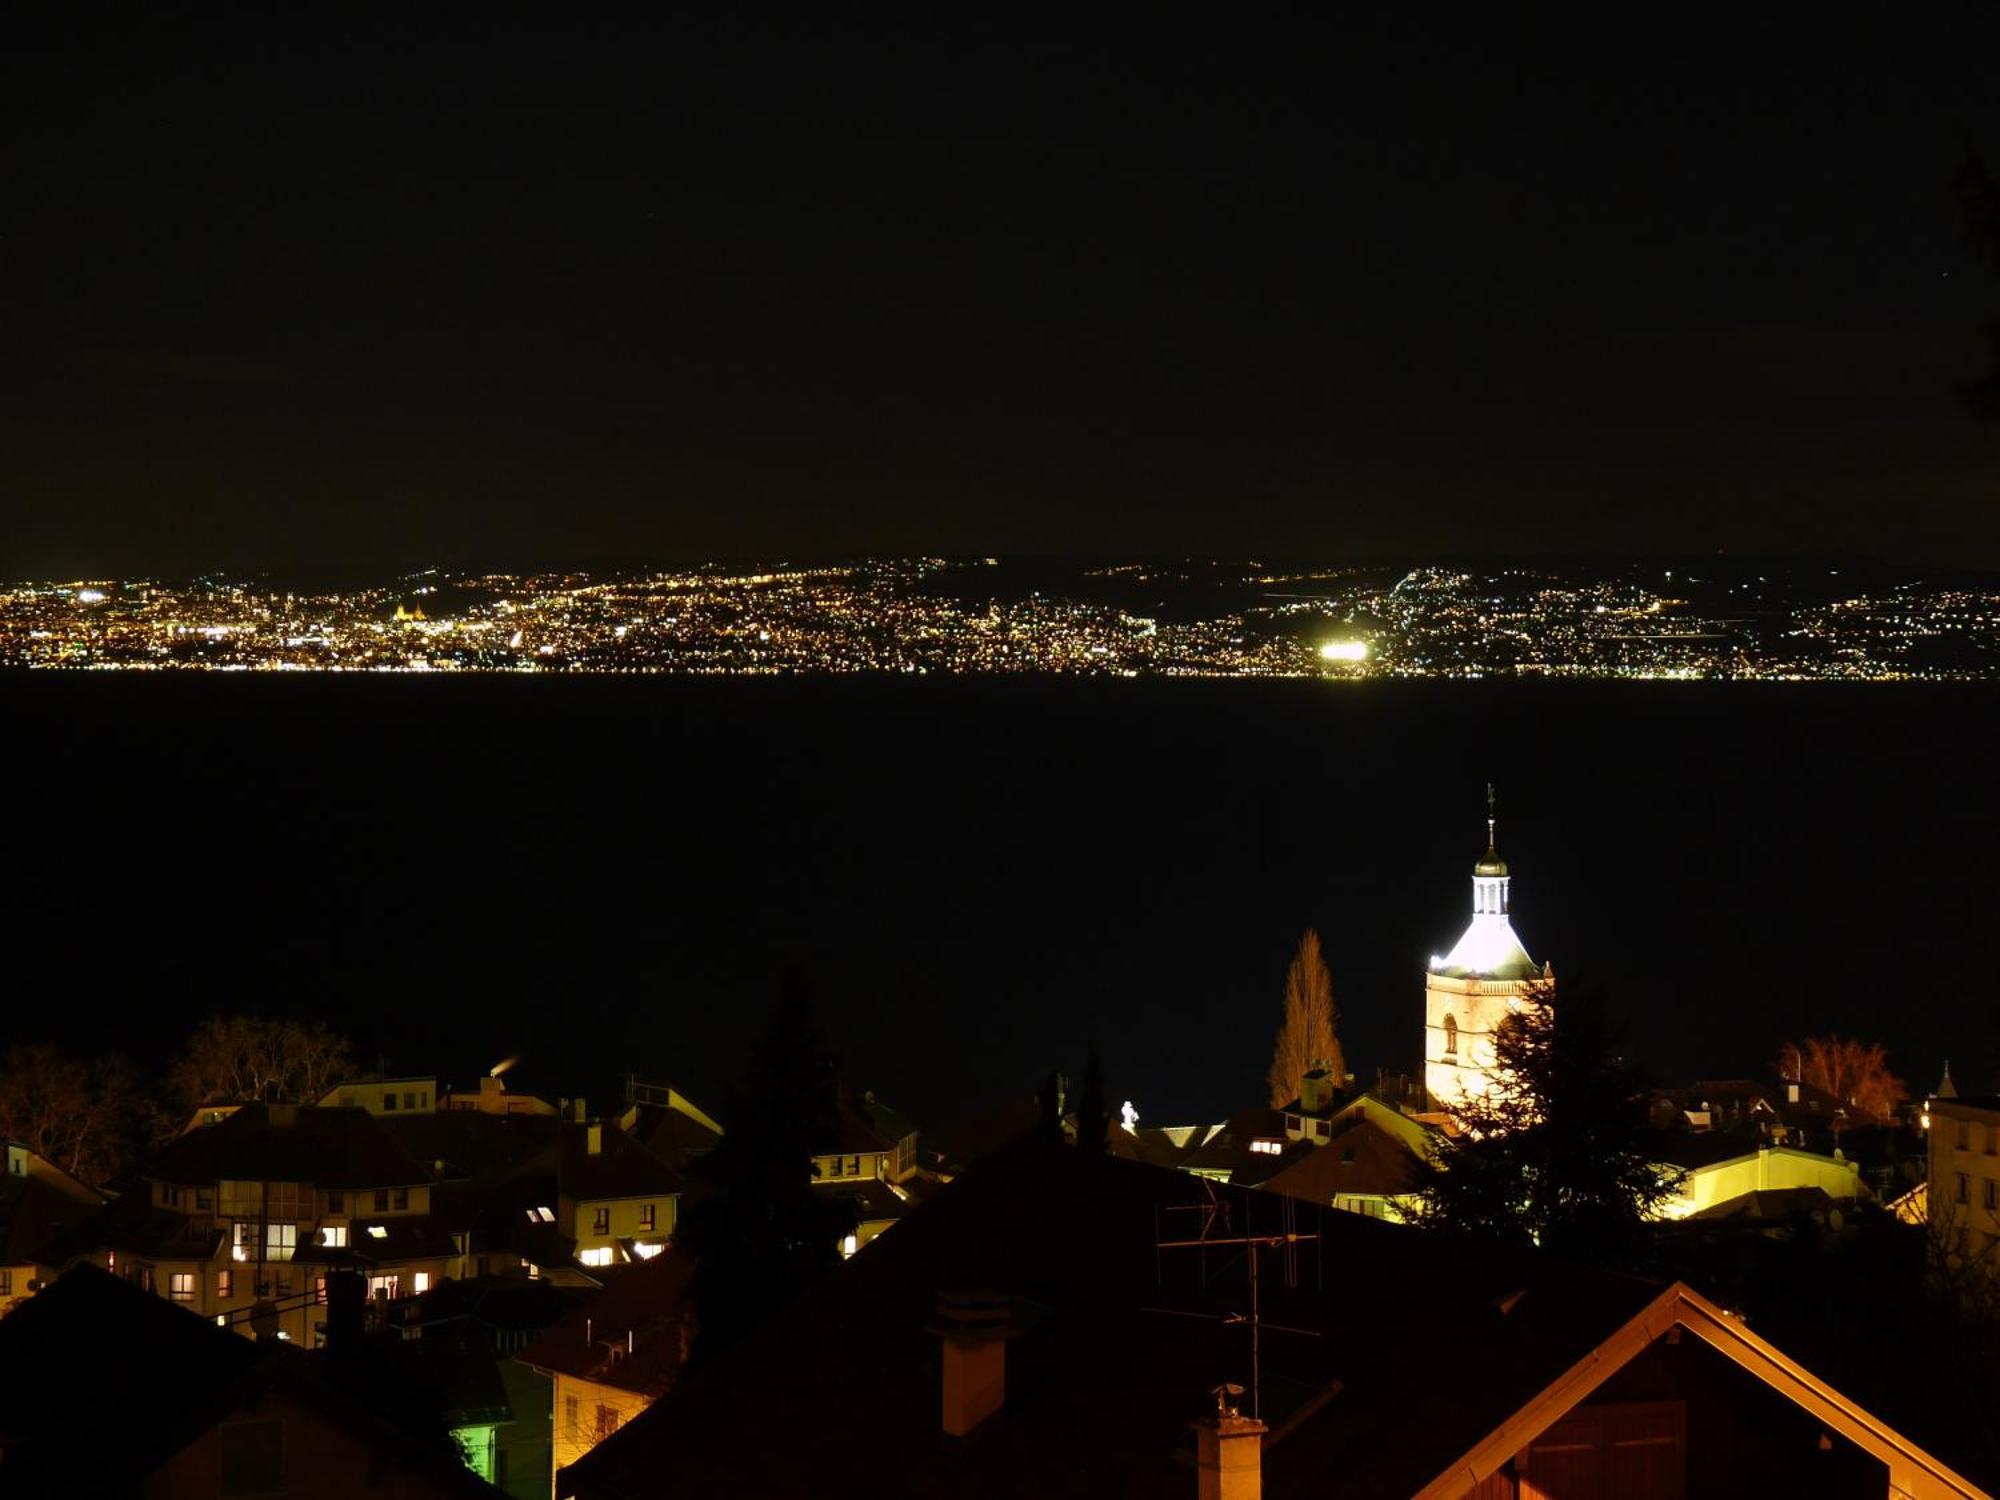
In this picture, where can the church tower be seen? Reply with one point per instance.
(1486, 977)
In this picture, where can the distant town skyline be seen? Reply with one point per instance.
(1812, 619)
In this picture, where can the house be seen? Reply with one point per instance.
(613, 1355)
(476, 1328)
(383, 1096)
(240, 1221)
(615, 1200)
(219, 1415)
(1713, 1169)
(1025, 1318)
(1963, 1187)
(492, 1098)
(38, 1201)
(668, 1124)
(870, 1159)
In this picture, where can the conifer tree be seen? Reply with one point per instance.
(1306, 1039)
(1558, 1152)
(763, 1233)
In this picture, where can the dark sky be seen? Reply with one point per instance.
(288, 294)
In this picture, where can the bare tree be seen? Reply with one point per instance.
(1307, 1039)
(1854, 1072)
(81, 1115)
(247, 1060)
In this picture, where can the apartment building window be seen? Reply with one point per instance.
(225, 1284)
(410, 1100)
(144, 1277)
(280, 1240)
(1451, 1036)
(1992, 1139)
(334, 1236)
(1964, 1136)
(204, 1201)
(420, 1283)
(600, 1221)
(6, 1282)
(180, 1284)
(1991, 1202)
(1963, 1195)
(402, 1198)
(319, 1290)
(607, 1421)
(388, 1103)
(336, 1201)
(832, 1167)
(569, 1415)
(645, 1218)
(381, 1200)
(595, 1255)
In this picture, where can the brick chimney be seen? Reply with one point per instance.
(1229, 1451)
(974, 1327)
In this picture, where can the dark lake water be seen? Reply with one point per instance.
(982, 877)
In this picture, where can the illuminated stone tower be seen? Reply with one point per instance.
(1467, 993)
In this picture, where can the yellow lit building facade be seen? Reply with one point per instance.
(1963, 1182)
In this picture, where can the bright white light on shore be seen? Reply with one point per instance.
(90, 596)
(1344, 651)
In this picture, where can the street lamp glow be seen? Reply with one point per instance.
(1344, 651)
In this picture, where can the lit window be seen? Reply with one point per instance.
(225, 1284)
(646, 1249)
(334, 1236)
(280, 1240)
(377, 1232)
(850, 1244)
(180, 1284)
(1266, 1148)
(596, 1255)
(420, 1282)
(645, 1218)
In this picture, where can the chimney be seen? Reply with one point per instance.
(974, 1327)
(593, 1138)
(1229, 1451)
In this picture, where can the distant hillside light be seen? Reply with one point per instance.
(1344, 651)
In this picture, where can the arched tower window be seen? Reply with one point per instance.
(1450, 1037)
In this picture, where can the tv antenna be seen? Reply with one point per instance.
(1215, 1230)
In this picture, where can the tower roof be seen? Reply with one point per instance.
(1490, 863)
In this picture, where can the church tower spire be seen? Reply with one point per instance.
(1486, 976)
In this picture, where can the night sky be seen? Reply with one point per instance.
(287, 294)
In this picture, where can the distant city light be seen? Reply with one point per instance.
(90, 596)
(1344, 651)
